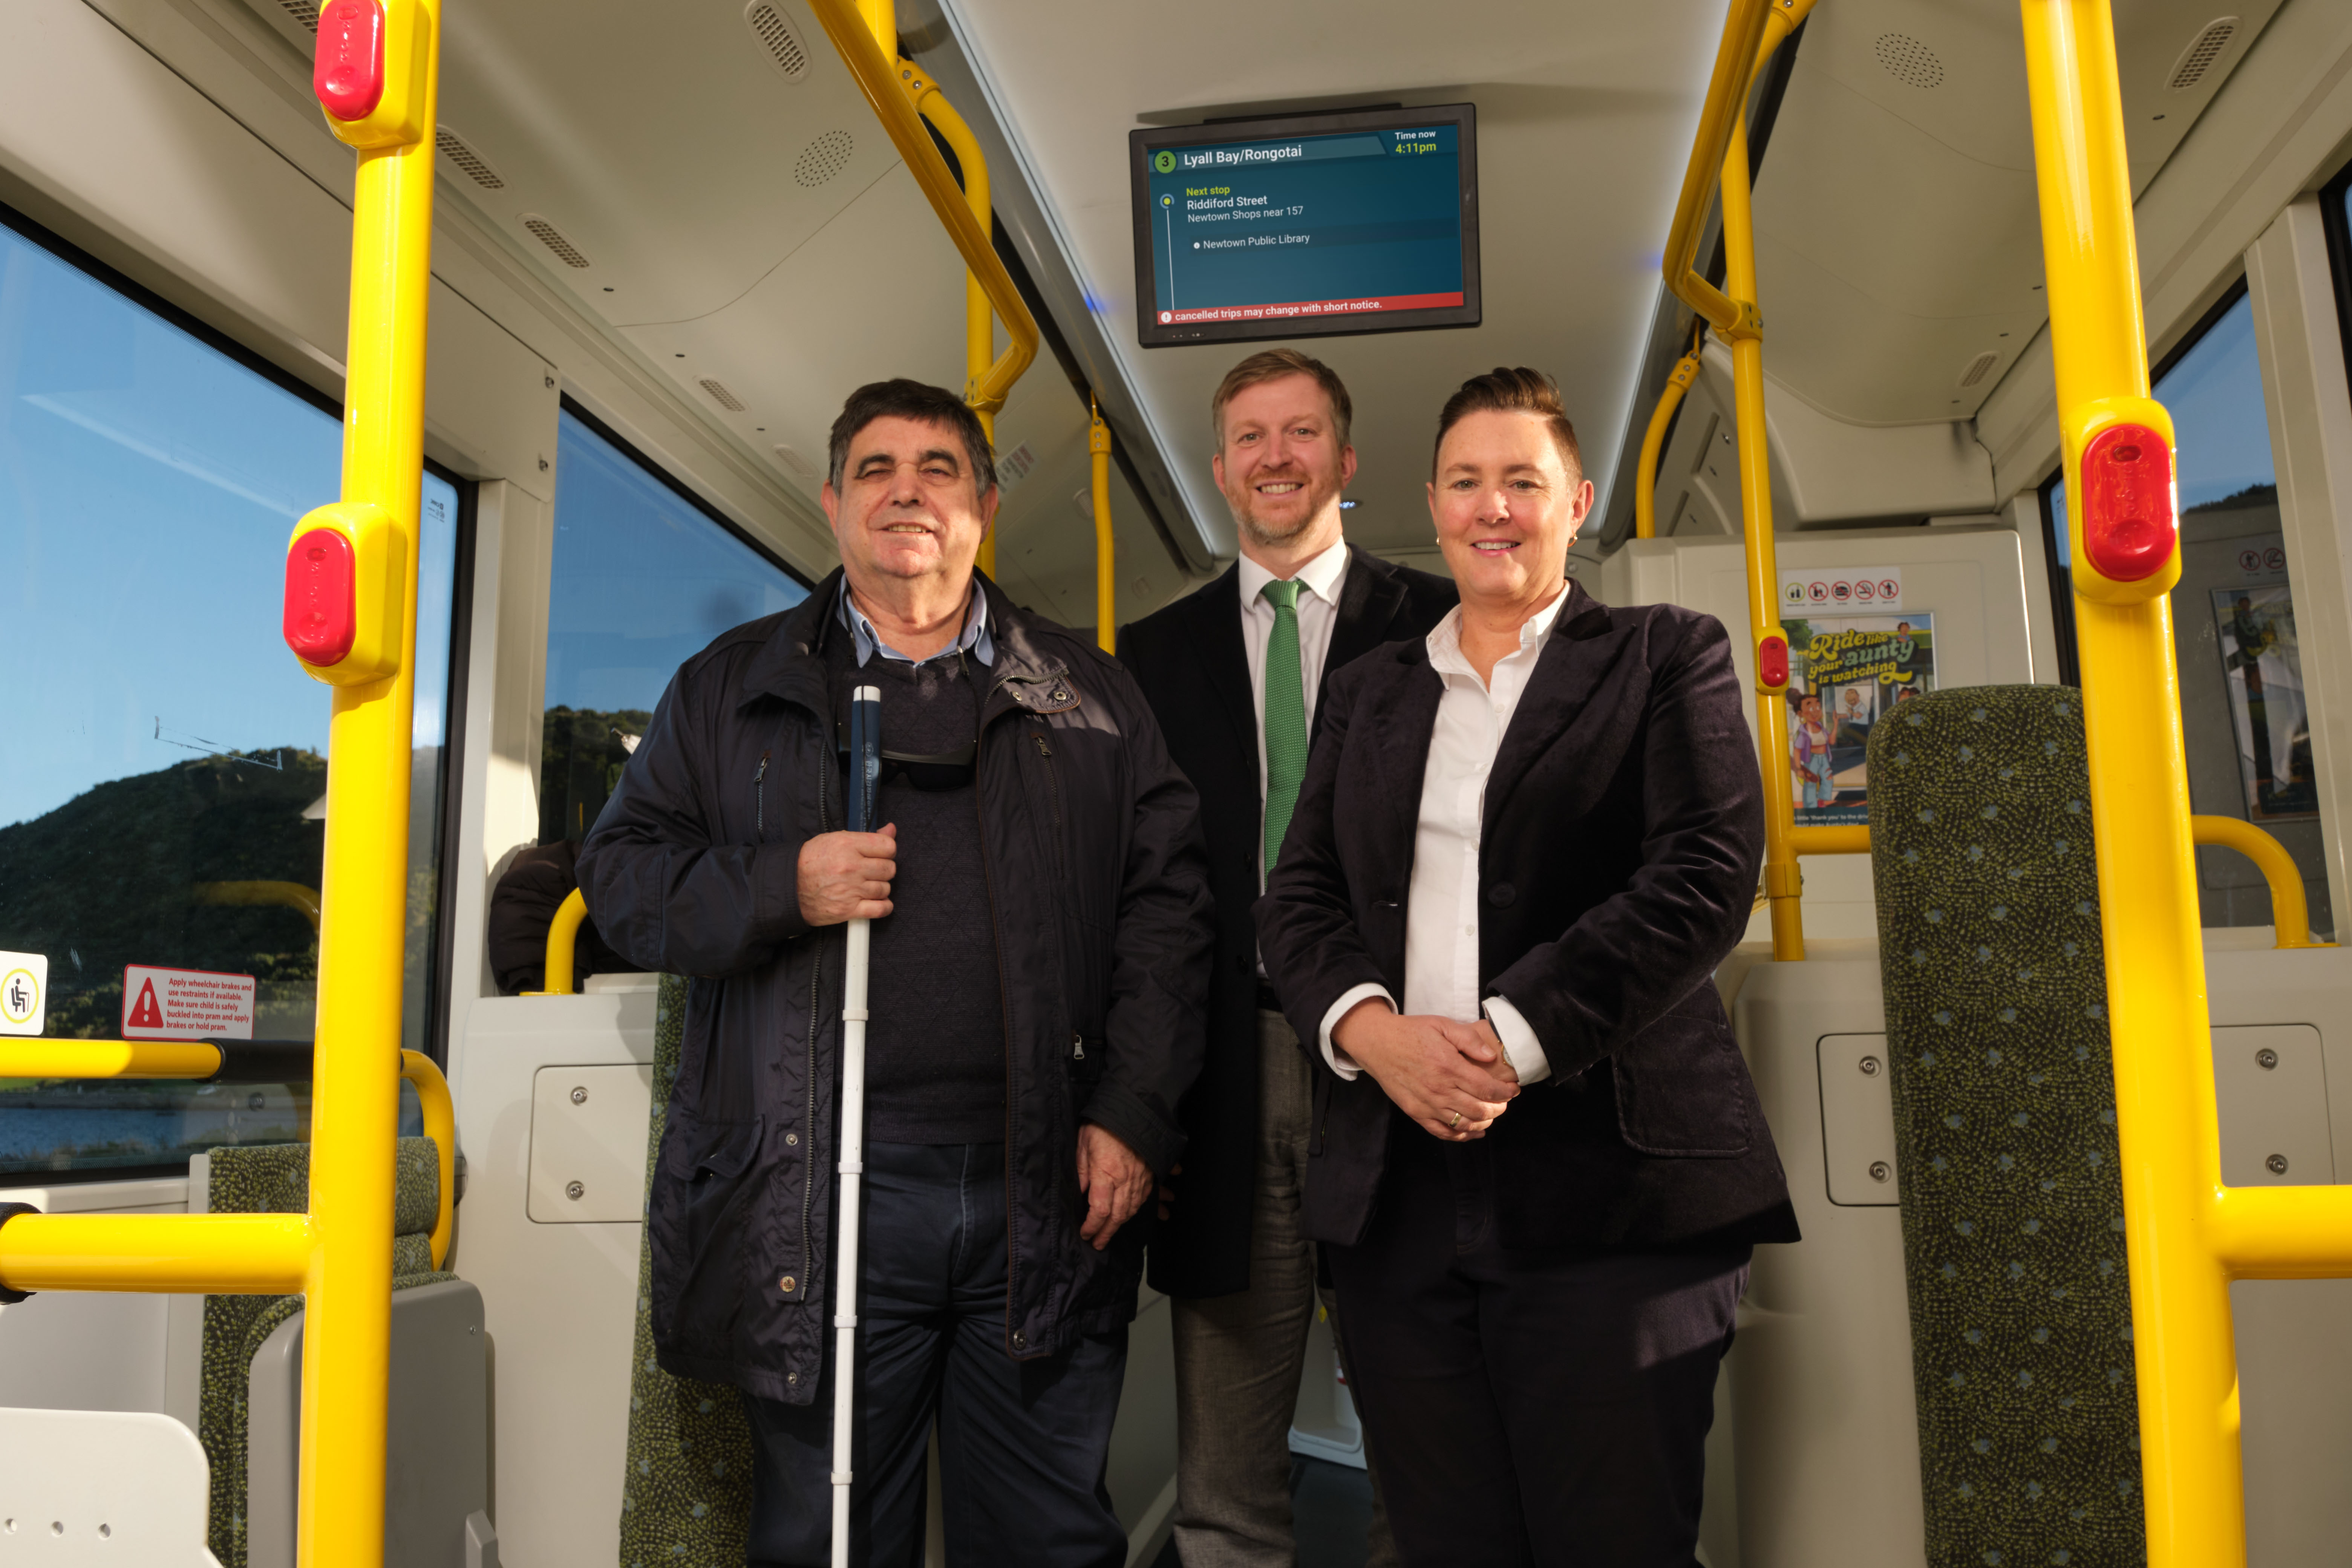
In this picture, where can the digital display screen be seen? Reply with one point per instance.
(1305, 227)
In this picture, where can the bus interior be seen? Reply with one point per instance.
(1842, 298)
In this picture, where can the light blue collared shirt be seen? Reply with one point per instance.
(974, 639)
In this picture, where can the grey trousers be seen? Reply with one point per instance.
(1238, 1357)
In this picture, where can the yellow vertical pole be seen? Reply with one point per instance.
(2140, 805)
(1783, 883)
(355, 1088)
(1106, 561)
(979, 316)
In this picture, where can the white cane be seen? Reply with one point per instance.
(864, 777)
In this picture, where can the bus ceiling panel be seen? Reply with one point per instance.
(654, 160)
(1899, 252)
(1580, 156)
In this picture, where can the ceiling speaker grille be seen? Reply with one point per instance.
(547, 235)
(777, 38)
(721, 396)
(2203, 51)
(1980, 367)
(306, 12)
(821, 159)
(795, 461)
(1908, 60)
(473, 164)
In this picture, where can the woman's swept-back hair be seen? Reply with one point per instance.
(1507, 390)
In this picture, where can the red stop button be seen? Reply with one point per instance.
(321, 596)
(348, 72)
(1772, 662)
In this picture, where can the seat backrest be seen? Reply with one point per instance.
(686, 1495)
(275, 1178)
(99, 1489)
(2005, 1129)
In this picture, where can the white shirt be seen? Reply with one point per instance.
(1318, 613)
(1441, 929)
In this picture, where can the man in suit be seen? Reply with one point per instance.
(1234, 674)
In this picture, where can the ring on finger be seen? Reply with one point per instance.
(1454, 1125)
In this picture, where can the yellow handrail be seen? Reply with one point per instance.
(441, 1126)
(1106, 564)
(1653, 440)
(2186, 1235)
(563, 943)
(903, 96)
(288, 895)
(2290, 909)
(1752, 31)
(47, 1058)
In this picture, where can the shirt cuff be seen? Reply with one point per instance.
(1340, 1061)
(1520, 1046)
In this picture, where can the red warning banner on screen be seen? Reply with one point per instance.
(1309, 308)
(185, 1004)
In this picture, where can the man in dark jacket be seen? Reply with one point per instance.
(1235, 679)
(1040, 952)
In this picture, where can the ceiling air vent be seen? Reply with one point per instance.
(1908, 60)
(2203, 51)
(304, 11)
(547, 235)
(795, 461)
(821, 159)
(1980, 367)
(776, 37)
(462, 156)
(720, 395)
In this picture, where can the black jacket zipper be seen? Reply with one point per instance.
(1015, 1342)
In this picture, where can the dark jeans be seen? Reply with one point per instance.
(1021, 1443)
(1528, 1407)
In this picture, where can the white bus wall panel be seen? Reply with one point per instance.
(558, 1301)
(65, 1350)
(1821, 1389)
(1972, 580)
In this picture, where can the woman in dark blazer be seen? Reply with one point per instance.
(1522, 847)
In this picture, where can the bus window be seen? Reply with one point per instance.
(644, 578)
(166, 789)
(2244, 722)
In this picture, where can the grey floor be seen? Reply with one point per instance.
(1332, 1512)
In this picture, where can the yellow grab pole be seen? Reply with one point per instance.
(1106, 561)
(1645, 478)
(356, 1082)
(2165, 1121)
(1724, 110)
(979, 316)
(1783, 884)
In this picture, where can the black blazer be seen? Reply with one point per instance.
(1622, 833)
(1190, 661)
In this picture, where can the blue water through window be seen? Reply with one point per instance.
(163, 799)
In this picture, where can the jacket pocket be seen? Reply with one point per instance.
(1682, 1090)
(700, 1214)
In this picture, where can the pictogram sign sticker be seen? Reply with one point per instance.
(1842, 588)
(24, 992)
(185, 1004)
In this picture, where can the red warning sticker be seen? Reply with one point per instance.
(185, 1004)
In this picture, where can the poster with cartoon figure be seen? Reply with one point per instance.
(1846, 673)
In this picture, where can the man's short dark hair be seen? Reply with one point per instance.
(1274, 364)
(903, 399)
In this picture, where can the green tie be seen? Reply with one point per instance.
(1285, 717)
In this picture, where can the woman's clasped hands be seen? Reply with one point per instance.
(1453, 1077)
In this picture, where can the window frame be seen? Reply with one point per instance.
(2338, 227)
(441, 961)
